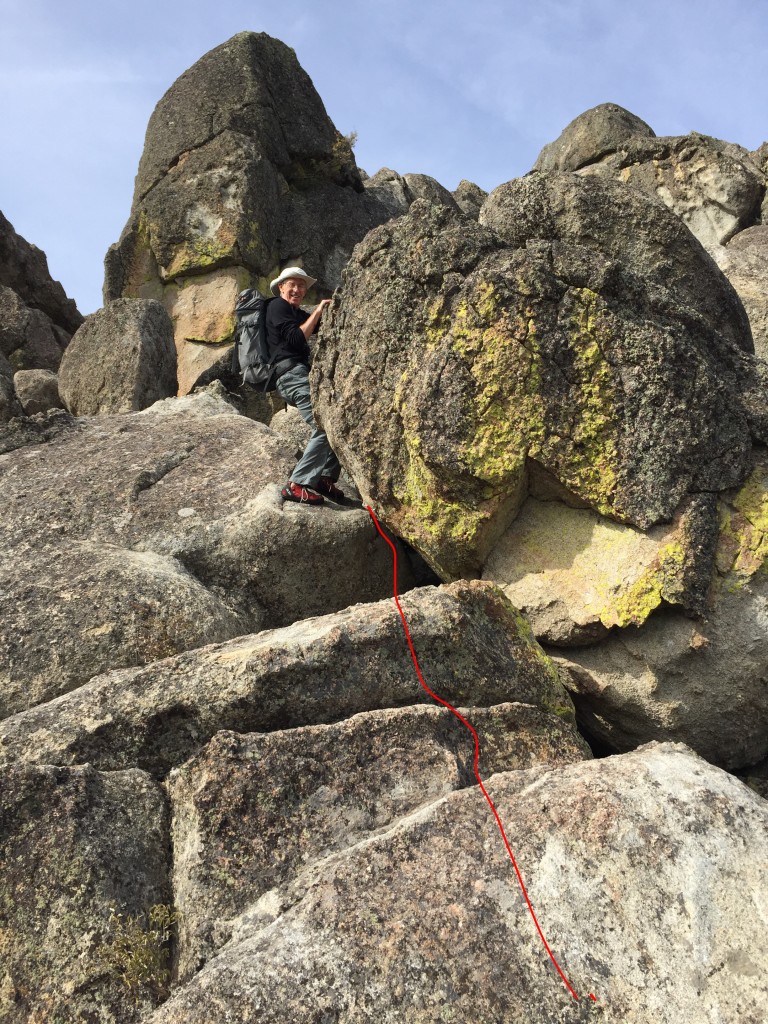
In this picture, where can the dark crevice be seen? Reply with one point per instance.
(599, 747)
(175, 161)
(149, 477)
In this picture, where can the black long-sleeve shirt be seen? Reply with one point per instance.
(284, 336)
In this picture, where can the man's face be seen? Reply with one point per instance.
(293, 290)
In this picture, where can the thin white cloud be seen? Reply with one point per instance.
(68, 75)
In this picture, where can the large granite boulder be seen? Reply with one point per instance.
(474, 649)
(122, 359)
(590, 137)
(647, 873)
(338, 785)
(128, 538)
(579, 332)
(83, 854)
(744, 261)
(37, 391)
(716, 187)
(242, 173)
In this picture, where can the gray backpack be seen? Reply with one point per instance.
(250, 356)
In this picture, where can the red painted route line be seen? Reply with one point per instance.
(477, 758)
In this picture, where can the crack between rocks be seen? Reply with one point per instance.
(284, 900)
(192, 149)
(594, 161)
(307, 878)
(147, 478)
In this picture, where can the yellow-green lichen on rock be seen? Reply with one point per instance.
(743, 543)
(428, 517)
(657, 582)
(506, 415)
(576, 574)
(585, 459)
(425, 506)
(201, 252)
(511, 416)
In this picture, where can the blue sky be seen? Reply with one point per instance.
(442, 87)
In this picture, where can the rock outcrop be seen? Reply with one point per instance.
(225, 788)
(36, 317)
(242, 173)
(341, 784)
(397, 192)
(701, 679)
(579, 329)
(469, 198)
(567, 404)
(474, 648)
(642, 870)
(130, 538)
(715, 187)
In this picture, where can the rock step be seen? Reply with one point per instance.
(473, 648)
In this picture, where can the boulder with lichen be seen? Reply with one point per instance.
(576, 574)
(566, 341)
(703, 680)
(242, 172)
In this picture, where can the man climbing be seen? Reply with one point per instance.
(289, 329)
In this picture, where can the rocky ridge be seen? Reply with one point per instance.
(243, 173)
(37, 321)
(211, 727)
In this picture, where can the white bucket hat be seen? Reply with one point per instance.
(291, 272)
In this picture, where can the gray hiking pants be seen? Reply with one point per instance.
(318, 458)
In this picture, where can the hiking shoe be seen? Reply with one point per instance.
(295, 492)
(328, 487)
